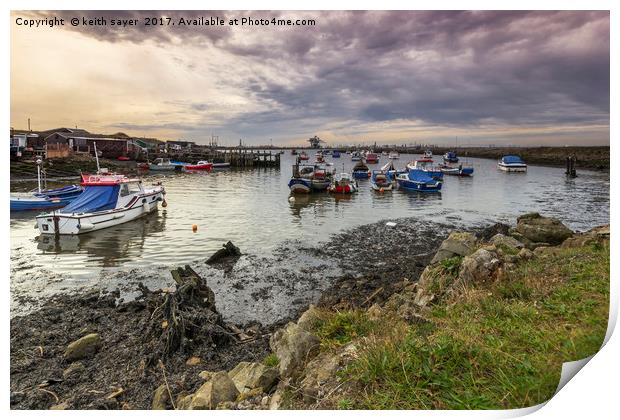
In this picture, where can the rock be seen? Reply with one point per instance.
(84, 347)
(478, 267)
(537, 228)
(294, 347)
(248, 376)
(309, 319)
(193, 361)
(184, 401)
(595, 235)
(250, 394)
(205, 375)
(228, 250)
(490, 231)
(218, 389)
(74, 369)
(226, 405)
(525, 254)
(457, 244)
(160, 398)
(317, 373)
(374, 312)
(500, 240)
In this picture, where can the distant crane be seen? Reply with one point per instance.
(315, 142)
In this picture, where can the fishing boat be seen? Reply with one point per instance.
(457, 170)
(309, 178)
(164, 164)
(426, 166)
(450, 157)
(202, 165)
(427, 155)
(372, 158)
(417, 180)
(108, 200)
(343, 184)
(512, 163)
(303, 156)
(44, 199)
(381, 181)
(336, 154)
(394, 155)
(293, 152)
(361, 171)
(355, 156)
(319, 157)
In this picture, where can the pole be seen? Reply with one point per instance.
(96, 155)
(39, 173)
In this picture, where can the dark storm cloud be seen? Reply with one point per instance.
(447, 68)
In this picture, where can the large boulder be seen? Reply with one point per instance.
(457, 244)
(247, 376)
(293, 346)
(540, 229)
(320, 377)
(595, 235)
(218, 389)
(160, 398)
(309, 319)
(478, 267)
(501, 240)
(84, 347)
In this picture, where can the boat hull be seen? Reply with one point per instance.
(342, 189)
(34, 203)
(404, 182)
(300, 185)
(512, 167)
(79, 223)
(204, 167)
(458, 172)
(361, 174)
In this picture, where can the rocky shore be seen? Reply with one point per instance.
(170, 349)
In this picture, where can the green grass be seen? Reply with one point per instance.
(271, 360)
(343, 327)
(499, 346)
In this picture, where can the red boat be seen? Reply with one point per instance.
(123, 158)
(372, 158)
(303, 156)
(203, 165)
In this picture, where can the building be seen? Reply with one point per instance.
(180, 145)
(81, 141)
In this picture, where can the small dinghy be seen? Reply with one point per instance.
(417, 180)
(164, 164)
(336, 154)
(343, 184)
(108, 200)
(457, 170)
(303, 156)
(450, 157)
(394, 155)
(361, 171)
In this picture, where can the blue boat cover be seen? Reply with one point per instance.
(68, 190)
(94, 199)
(512, 159)
(420, 176)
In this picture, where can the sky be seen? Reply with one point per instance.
(503, 77)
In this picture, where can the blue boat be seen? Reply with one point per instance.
(336, 154)
(450, 157)
(458, 170)
(418, 180)
(46, 199)
(309, 178)
(361, 171)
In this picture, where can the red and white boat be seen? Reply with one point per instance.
(372, 158)
(202, 165)
(343, 184)
(303, 156)
(108, 200)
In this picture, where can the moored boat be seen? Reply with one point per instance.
(372, 158)
(309, 178)
(450, 157)
(293, 152)
(45, 199)
(457, 170)
(394, 155)
(426, 166)
(417, 180)
(381, 180)
(343, 184)
(303, 156)
(361, 171)
(107, 200)
(355, 156)
(336, 154)
(221, 165)
(164, 164)
(319, 157)
(427, 156)
(202, 165)
(512, 163)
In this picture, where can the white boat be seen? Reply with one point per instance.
(163, 164)
(107, 200)
(355, 156)
(428, 154)
(394, 155)
(512, 163)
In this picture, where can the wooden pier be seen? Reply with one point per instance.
(237, 157)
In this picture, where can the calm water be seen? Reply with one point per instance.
(252, 209)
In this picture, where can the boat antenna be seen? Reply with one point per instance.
(39, 161)
(96, 156)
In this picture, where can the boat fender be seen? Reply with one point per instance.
(291, 199)
(85, 226)
(145, 207)
(119, 216)
(164, 204)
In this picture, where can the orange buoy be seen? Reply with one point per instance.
(194, 228)
(381, 189)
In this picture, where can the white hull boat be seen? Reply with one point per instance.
(512, 164)
(108, 200)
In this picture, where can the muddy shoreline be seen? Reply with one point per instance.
(373, 260)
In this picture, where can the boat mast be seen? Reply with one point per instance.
(39, 174)
(96, 155)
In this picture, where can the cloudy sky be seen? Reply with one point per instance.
(523, 78)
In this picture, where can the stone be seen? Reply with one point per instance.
(61, 406)
(248, 376)
(205, 375)
(525, 254)
(500, 240)
(478, 267)
(595, 235)
(317, 373)
(250, 394)
(309, 319)
(74, 369)
(218, 389)
(293, 346)
(160, 398)
(83, 347)
(374, 312)
(537, 228)
(457, 244)
(226, 405)
(193, 361)
(184, 401)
